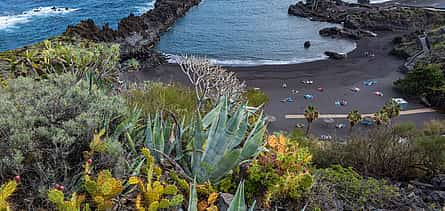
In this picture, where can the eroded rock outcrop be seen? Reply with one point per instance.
(136, 35)
(368, 17)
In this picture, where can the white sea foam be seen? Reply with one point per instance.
(174, 59)
(145, 7)
(379, 1)
(12, 20)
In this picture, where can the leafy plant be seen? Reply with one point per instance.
(353, 117)
(98, 63)
(74, 204)
(237, 203)
(103, 189)
(355, 191)
(155, 194)
(281, 173)
(152, 97)
(47, 124)
(214, 146)
(6, 190)
(311, 114)
(256, 97)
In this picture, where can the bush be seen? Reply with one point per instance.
(280, 174)
(85, 59)
(256, 97)
(421, 80)
(45, 126)
(355, 192)
(401, 153)
(153, 97)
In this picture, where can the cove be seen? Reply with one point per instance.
(248, 32)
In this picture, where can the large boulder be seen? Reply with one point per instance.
(335, 55)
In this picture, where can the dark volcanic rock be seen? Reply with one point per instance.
(307, 44)
(369, 17)
(335, 55)
(136, 35)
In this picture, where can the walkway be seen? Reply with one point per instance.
(342, 116)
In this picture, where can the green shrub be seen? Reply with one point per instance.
(402, 152)
(256, 97)
(85, 59)
(281, 173)
(422, 80)
(154, 97)
(45, 126)
(354, 191)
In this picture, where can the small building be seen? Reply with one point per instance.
(401, 102)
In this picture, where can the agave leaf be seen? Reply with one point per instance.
(253, 145)
(210, 117)
(233, 127)
(238, 203)
(216, 144)
(198, 142)
(228, 162)
(149, 136)
(193, 198)
(252, 207)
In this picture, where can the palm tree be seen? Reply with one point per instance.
(353, 117)
(392, 109)
(381, 117)
(311, 115)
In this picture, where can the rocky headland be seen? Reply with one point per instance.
(136, 35)
(360, 20)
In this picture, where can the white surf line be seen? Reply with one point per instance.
(342, 116)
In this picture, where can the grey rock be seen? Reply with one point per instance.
(335, 55)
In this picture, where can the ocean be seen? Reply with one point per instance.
(23, 22)
(228, 32)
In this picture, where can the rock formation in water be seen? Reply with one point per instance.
(136, 35)
(357, 18)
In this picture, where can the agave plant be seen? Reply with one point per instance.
(237, 204)
(214, 145)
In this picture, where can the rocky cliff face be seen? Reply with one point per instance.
(368, 17)
(137, 35)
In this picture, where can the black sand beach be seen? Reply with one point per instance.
(335, 76)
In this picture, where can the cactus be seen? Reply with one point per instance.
(74, 204)
(105, 188)
(216, 144)
(155, 194)
(6, 191)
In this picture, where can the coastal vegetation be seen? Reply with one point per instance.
(74, 137)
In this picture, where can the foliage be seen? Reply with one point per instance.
(74, 204)
(402, 152)
(131, 65)
(354, 117)
(311, 114)
(214, 146)
(155, 194)
(85, 59)
(421, 80)
(46, 125)
(237, 203)
(355, 192)
(103, 189)
(153, 97)
(256, 97)
(6, 190)
(281, 173)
